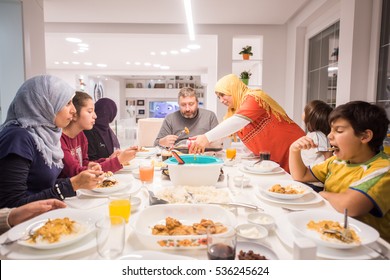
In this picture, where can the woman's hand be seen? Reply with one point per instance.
(198, 144)
(87, 179)
(32, 209)
(303, 143)
(126, 155)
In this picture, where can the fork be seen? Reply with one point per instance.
(257, 162)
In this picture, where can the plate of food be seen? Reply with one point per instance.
(312, 224)
(144, 152)
(309, 198)
(287, 190)
(110, 184)
(58, 230)
(180, 226)
(254, 251)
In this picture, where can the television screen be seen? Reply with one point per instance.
(159, 109)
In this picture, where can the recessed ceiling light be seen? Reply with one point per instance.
(152, 53)
(193, 47)
(174, 52)
(73, 40)
(88, 63)
(83, 48)
(101, 65)
(65, 62)
(147, 63)
(81, 51)
(128, 62)
(56, 62)
(164, 67)
(75, 62)
(163, 53)
(76, 52)
(83, 45)
(137, 63)
(184, 50)
(156, 65)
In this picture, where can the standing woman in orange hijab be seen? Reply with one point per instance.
(259, 121)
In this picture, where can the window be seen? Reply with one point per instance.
(323, 65)
(383, 89)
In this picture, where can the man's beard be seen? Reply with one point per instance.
(193, 115)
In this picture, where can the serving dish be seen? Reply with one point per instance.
(198, 170)
(262, 219)
(187, 214)
(251, 231)
(256, 248)
(299, 221)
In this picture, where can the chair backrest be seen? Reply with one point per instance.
(147, 131)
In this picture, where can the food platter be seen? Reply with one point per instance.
(299, 220)
(18, 251)
(287, 235)
(292, 190)
(256, 248)
(308, 199)
(82, 228)
(187, 214)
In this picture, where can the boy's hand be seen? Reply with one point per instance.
(303, 143)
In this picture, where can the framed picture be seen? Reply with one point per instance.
(140, 102)
(141, 112)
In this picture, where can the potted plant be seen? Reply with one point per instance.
(246, 52)
(245, 75)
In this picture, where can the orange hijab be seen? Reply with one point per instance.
(231, 85)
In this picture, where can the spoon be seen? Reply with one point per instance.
(177, 157)
(154, 200)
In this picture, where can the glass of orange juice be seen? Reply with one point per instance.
(119, 205)
(146, 173)
(231, 153)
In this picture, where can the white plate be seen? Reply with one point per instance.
(299, 221)
(265, 166)
(187, 214)
(148, 152)
(287, 235)
(308, 199)
(83, 229)
(257, 249)
(304, 189)
(16, 251)
(131, 188)
(275, 171)
(123, 181)
(152, 255)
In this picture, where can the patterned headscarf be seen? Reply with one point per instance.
(35, 107)
(106, 110)
(231, 85)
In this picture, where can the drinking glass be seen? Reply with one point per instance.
(120, 205)
(221, 246)
(146, 173)
(110, 237)
(231, 153)
(265, 155)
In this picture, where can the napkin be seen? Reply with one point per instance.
(84, 203)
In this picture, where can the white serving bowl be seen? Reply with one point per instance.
(262, 219)
(187, 214)
(198, 170)
(251, 231)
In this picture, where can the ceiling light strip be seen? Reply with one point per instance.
(190, 22)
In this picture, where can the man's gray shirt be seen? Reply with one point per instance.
(173, 123)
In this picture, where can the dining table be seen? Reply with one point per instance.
(281, 239)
